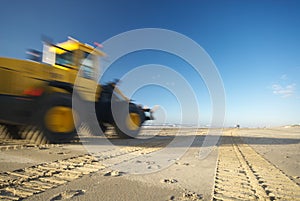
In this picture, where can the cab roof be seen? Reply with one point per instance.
(73, 44)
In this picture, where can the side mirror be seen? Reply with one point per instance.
(48, 55)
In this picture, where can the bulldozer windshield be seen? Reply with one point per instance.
(65, 59)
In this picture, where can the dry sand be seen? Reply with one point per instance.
(257, 164)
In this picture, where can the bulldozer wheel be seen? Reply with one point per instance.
(103, 127)
(128, 124)
(10, 132)
(13, 131)
(56, 118)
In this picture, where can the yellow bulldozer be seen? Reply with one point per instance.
(36, 95)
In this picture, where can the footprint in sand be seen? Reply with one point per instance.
(187, 196)
(149, 164)
(113, 173)
(67, 195)
(169, 181)
(180, 163)
(155, 167)
(191, 196)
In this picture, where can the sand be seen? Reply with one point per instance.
(247, 164)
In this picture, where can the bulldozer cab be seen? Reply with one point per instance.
(74, 61)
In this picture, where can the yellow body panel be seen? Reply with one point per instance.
(17, 75)
(72, 44)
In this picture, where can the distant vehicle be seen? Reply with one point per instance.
(36, 94)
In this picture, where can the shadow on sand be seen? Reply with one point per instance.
(193, 141)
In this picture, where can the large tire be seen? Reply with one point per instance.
(128, 124)
(10, 131)
(13, 131)
(103, 127)
(56, 118)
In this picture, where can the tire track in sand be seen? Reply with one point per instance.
(23, 183)
(243, 174)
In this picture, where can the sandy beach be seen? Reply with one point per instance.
(247, 164)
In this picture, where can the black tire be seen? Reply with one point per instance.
(14, 131)
(103, 127)
(10, 131)
(33, 133)
(61, 132)
(123, 126)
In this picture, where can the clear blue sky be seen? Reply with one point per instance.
(254, 44)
